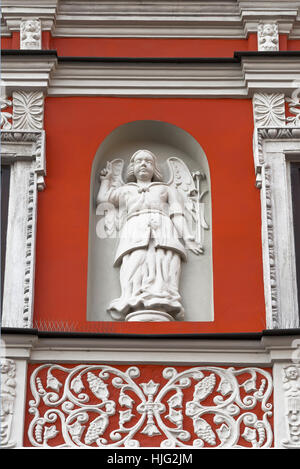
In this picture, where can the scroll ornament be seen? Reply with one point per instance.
(102, 406)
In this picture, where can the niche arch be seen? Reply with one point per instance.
(164, 140)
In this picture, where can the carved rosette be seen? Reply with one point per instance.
(8, 395)
(30, 33)
(291, 385)
(102, 406)
(267, 36)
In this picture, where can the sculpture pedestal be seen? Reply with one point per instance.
(149, 315)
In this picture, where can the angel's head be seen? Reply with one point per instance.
(143, 166)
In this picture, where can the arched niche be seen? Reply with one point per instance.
(164, 140)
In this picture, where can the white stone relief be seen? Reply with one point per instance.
(7, 397)
(28, 110)
(291, 385)
(152, 217)
(83, 409)
(278, 247)
(5, 115)
(267, 36)
(294, 109)
(269, 109)
(26, 153)
(30, 33)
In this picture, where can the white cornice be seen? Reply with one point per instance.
(233, 78)
(152, 18)
(260, 352)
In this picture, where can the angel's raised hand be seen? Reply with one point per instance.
(106, 173)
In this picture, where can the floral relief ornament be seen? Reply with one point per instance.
(102, 406)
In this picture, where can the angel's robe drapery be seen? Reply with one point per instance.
(149, 250)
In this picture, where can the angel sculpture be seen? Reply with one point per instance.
(155, 233)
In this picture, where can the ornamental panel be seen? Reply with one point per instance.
(92, 406)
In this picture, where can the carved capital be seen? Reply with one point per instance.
(267, 36)
(30, 33)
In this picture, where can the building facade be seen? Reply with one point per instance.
(150, 158)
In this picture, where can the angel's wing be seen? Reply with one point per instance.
(110, 222)
(188, 186)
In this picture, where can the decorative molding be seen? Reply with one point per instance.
(242, 76)
(196, 19)
(30, 33)
(271, 167)
(102, 406)
(5, 115)
(291, 385)
(28, 110)
(267, 36)
(25, 151)
(7, 397)
(269, 109)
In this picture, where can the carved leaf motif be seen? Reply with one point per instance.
(125, 416)
(77, 385)
(5, 116)
(125, 400)
(223, 432)
(97, 386)
(204, 431)
(175, 416)
(176, 399)
(204, 387)
(53, 382)
(96, 429)
(249, 434)
(76, 430)
(225, 387)
(150, 388)
(250, 385)
(50, 432)
(28, 110)
(269, 109)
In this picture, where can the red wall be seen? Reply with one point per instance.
(75, 127)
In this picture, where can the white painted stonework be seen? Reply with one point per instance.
(190, 19)
(25, 152)
(207, 361)
(30, 34)
(267, 36)
(157, 215)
